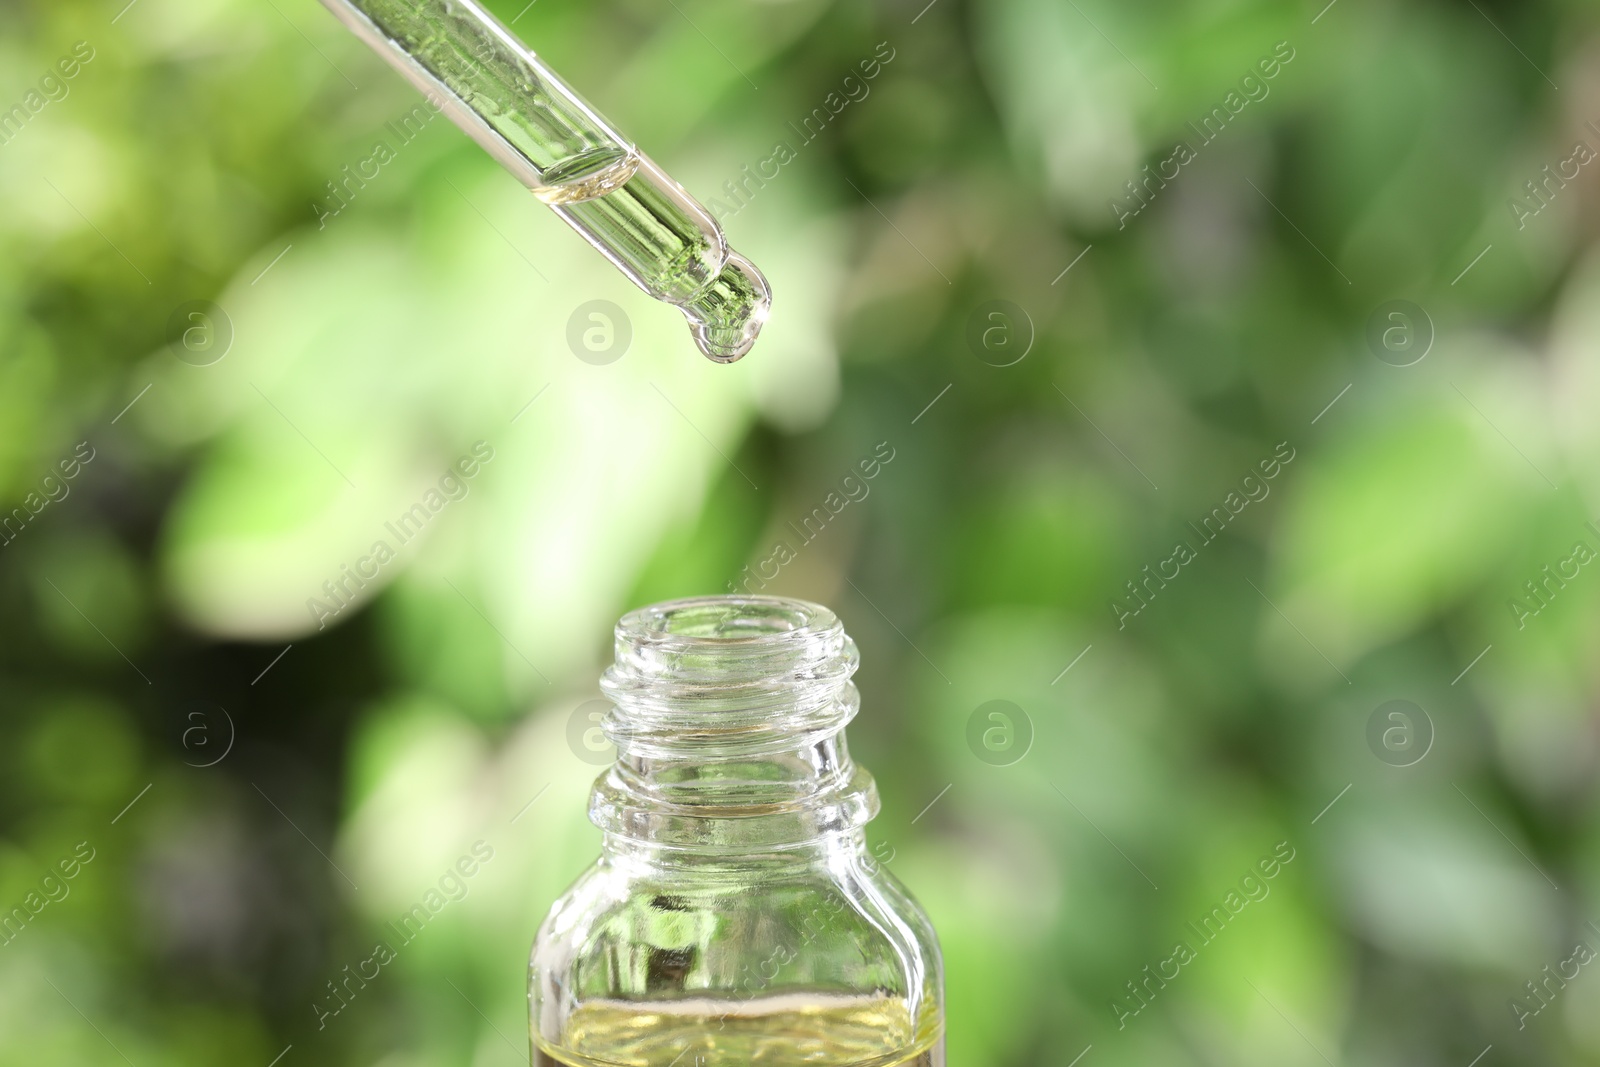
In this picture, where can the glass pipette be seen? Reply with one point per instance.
(569, 156)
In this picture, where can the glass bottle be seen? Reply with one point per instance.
(735, 915)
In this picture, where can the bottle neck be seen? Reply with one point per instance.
(833, 850)
(728, 716)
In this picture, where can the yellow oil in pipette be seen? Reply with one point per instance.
(629, 213)
(556, 144)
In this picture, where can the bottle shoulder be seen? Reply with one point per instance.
(851, 921)
(724, 903)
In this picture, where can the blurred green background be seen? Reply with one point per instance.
(260, 789)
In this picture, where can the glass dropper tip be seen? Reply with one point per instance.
(727, 315)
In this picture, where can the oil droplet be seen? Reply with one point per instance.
(726, 316)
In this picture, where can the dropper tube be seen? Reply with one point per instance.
(569, 156)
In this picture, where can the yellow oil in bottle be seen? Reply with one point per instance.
(779, 1031)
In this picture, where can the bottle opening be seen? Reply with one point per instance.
(719, 644)
(727, 619)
